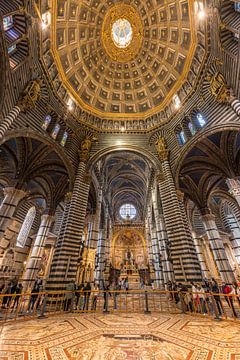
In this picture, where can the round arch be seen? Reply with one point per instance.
(27, 133)
(118, 148)
(197, 139)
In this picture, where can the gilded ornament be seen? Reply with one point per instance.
(162, 149)
(30, 96)
(129, 13)
(86, 145)
(219, 88)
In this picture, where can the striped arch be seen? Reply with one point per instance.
(28, 133)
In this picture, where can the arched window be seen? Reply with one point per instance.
(64, 138)
(46, 122)
(26, 227)
(237, 6)
(201, 120)
(7, 22)
(181, 137)
(192, 128)
(55, 131)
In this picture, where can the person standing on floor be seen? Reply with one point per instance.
(69, 296)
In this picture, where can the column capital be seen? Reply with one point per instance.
(219, 88)
(180, 195)
(68, 197)
(87, 178)
(30, 95)
(208, 217)
(160, 177)
(85, 148)
(16, 193)
(47, 217)
(162, 150)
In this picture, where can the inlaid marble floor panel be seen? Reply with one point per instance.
(118, 337)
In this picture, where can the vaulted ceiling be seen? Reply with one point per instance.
(208, 164)
(126, 181)
(28, 164)
(164, 57)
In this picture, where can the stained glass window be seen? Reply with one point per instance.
(7, 22)
(55, 131)
(192, 128)
(201, 120)
(182, 137)
(127, 211)
(64, 138)
(11, 48)
(26, 227)
(46, 122)
(237, 6)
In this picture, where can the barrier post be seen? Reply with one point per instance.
(147, 311)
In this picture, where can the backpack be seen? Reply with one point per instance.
(227, 289)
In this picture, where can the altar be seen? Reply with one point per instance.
(128, 255)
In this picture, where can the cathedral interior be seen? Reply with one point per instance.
(119, 159)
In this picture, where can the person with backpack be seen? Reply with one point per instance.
(227, 290)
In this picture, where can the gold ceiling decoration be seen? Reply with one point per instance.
(162, 56)
(115, 13)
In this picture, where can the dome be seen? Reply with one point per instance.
(126, 59)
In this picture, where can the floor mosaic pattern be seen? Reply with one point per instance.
(121, 337)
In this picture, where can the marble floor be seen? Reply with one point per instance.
(118, 337)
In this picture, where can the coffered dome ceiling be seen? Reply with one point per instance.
(124, 59)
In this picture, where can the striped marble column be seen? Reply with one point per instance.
(108, 239)
(166, 264)
(66, 257)
(67, 202)
(12, 197)
(156, 260)
(26, 101)
(89, 231)
(34, 261)
(8, 121)
(235, 238)
(99, 273)
(183, 254)
(217, 247)
(235, 104)
(197, 242)
(234, 189)
(96, 223)
(148, 240)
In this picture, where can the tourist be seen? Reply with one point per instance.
(126, 284)
(169, 288)
(175, 293)
(116, 288)
(17, 292)
(106, 294)
(95, 291)
(69, 296)
(228, 291)
(6, 299)
(216, 298)
(201, 299)
(78, 296)
(34, 296)
(236, 291)
(86, 296)
(184, 297)
(142, 285)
